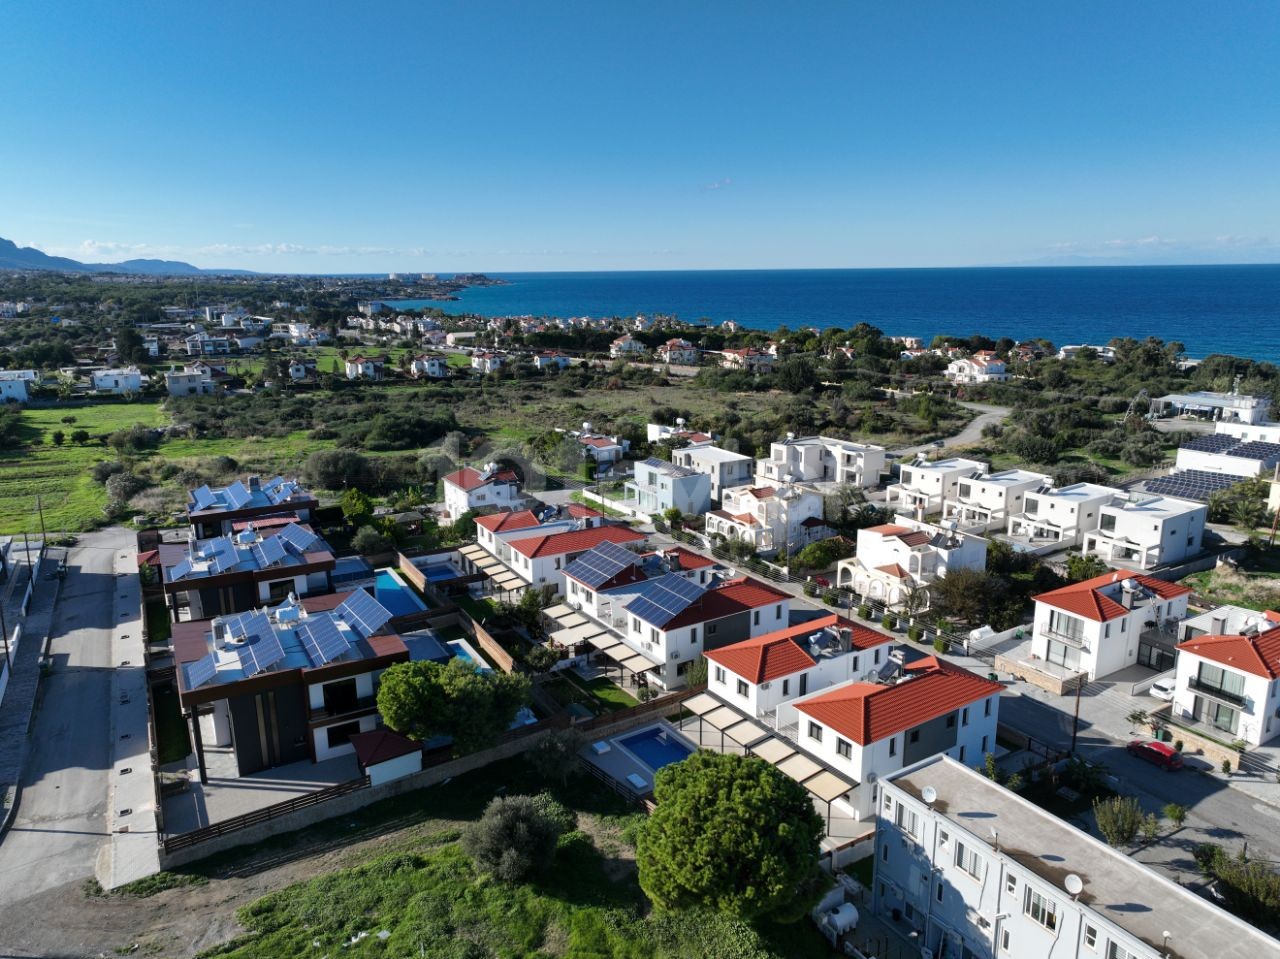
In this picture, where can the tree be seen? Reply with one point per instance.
(1081, 567)
(1119, 819)
(58, 437)
(423, 699)
(369, 541)
(733, 834)
(514, 838)
(357, 508)
(555, 758)
(80, 437)
(967, 595)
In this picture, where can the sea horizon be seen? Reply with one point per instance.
(1210, 308)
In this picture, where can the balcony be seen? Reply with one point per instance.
(1216, 692)
(1071, 640)
(360, 706)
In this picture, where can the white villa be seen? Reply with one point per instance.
(724, 468)
(983, 367)
(769, 517)
(986, 502)
(923, 487)
(1146, 531)
(1059, 518)
(125, 380)
(1229, 682)
(821, 459)
(468, 489)
(895, 563)
(658, 486)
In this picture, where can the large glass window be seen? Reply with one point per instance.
(1066, 625)
(968, 860)
(1041, 909)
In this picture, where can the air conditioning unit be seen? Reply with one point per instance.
(675, 656)
(766, 685)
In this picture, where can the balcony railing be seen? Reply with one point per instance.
(362, 704)
(1217, 692)
(1069, 638)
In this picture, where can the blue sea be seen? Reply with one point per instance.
(1210, 309)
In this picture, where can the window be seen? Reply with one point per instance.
(938, 891)
(720, 675)
(742, 687)
(1090, 936)
(951, 721)
(755, 618)
(653, 635)
(986, 708)
(693, 635)
(968, 860)
(907, 820)
(914, 736)
(340, 697)
(893, 746)
(961, 756)
(888, 802)
(341, 734)
(1041, 909)
(1004, 940)
(786, 687)
(944, 837)
(815, 732)
(877, 657)
(777, 611)
(844, 748)
(964, 716)
(984, 745)
(884, 853)
(1117, 951)
(1011, 883)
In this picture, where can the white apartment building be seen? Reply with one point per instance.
(724, 468)
(769, 518)
(968, 868)
(1229, 683)
(431, 365)
(983, 367)
(1234, 407)
(487, 362)
(1059, 518)
(924, 486)
(821, 459)
(987, 501)
(1097, 626)
(14, 384)
(756, 676)
(1144, 531)
(895, 563)
(658, 486)
(468, 489)
(125, 380)
(868, 730)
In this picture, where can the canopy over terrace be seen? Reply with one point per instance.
(622, 654)
(582, 633)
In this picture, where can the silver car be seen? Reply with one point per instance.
(1163, 689)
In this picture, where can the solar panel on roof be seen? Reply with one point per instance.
(201, 671)
(297, 538)
(269, 552)
(1214, 443)
(224, 557)
(261, 653)
(363, 613)
(322, 640)
(203, 498)
(248, 625)
(598, 565)
(662, 600)
(238, 495)
(278, 490)
(181, 571)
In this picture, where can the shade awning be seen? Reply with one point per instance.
(604, 642)
(799, 768)
(556, 611)
(773, 750)
(572, 620)
(701, 704)
(473, 551)
(580, 634)
(828, 786)
(745, 733)
(723, 718)
(508, 581)
(637, 663)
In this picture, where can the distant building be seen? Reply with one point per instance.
(124, 380)
(658, 486)
(982, 503)
(923, 486)
(747, 359)
(1144, 531)
(679, 352)
(469, 489)
(365, 367)
(626, 346)
(821, 459)
(983, 367)
(431, 365)
(191, 381)
(1231, 407)
(14, 385)
(896, 562)
(487, 362)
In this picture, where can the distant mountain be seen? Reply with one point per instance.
(14, 257)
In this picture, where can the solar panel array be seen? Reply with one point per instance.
(597, 566)
(201, 671)
(278, 490)
(261, 653)
(671, 469)
(224, 556)
(363, 613)
(1257, 450)
(1213, 443)
(238, 495)
(181, 571)
(269, 552)
(322, 640)
(246, 626)
(297, 538)
(1191, 484)
(662, 600)
(203, 498)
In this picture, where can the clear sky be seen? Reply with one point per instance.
(346, 136)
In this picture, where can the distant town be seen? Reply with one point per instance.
(834, 642)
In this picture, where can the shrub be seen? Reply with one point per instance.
(121, 487)
(514, 838)
(831, 597)
(1177, 744)
(369, 541)
(555, 757)
(104, 470)
(915, 632)
(1226, 767)
(864, 611)
(1175, 814)
(541, 658)
(940, 645)
(811, 589)
(1119, 819)
(886, 621)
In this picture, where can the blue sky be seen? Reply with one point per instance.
(327, 136)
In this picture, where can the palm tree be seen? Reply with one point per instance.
(1247, 513)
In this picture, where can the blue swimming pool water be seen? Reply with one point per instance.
(461, 650)
(398, 598)
(655, 748)
(438, 572)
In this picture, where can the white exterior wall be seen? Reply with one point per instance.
(989, 505)
(1103, 648)
(1158, 538)
(911, 868)
(1257, 724)
(15, 390)
(766, 697)
(321, 738)
(1263, 432)
(1219, 463)
(298, 586)
(117, 381)
(1066, 518)
(458, 501)
(397, 768)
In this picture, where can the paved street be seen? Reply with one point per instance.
(60, 827)
(972, 433)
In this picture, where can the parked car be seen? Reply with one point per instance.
(1163, 689)
(822, 581)
(1158, 754)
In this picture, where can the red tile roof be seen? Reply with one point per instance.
(578, 511)
(687, 559)
(598, 442)
(768, 657)
(468, 479)
(508, 519)
(574, 541)
(895, 570)
(1259, 655)
(730, 597)
(1086, 599)
(887, 529)
(266, 522)
(869, 712)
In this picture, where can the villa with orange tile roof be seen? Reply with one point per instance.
(895, 562)
(769, 517)
(1104, 624)
(469, 489)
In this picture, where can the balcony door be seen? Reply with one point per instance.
(1062, 654)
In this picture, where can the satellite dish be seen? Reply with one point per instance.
(929, 795)
(1073, 884)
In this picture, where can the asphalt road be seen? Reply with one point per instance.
(972, 432)
(60, 826)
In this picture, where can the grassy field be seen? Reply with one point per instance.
(428, 899)
(172, 740)
(1255, 585)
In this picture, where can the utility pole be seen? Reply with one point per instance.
(4, 631)
(40, 510)
(1075, 722)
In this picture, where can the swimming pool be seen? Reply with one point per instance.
(438, 572)
(397, 597)
(656, 747)
(462, 649)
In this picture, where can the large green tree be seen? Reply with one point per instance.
(733, 834)
(423, 699)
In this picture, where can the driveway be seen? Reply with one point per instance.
(60, 826)
(972, 433)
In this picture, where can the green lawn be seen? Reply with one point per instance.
(606, 692)
(478, 609)
(1255, 586)
(428, 898)
(172, 740)
(159, 628)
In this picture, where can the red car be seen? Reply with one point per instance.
(1158, 754)
(822, 581)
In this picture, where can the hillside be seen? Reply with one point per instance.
(14, 257)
